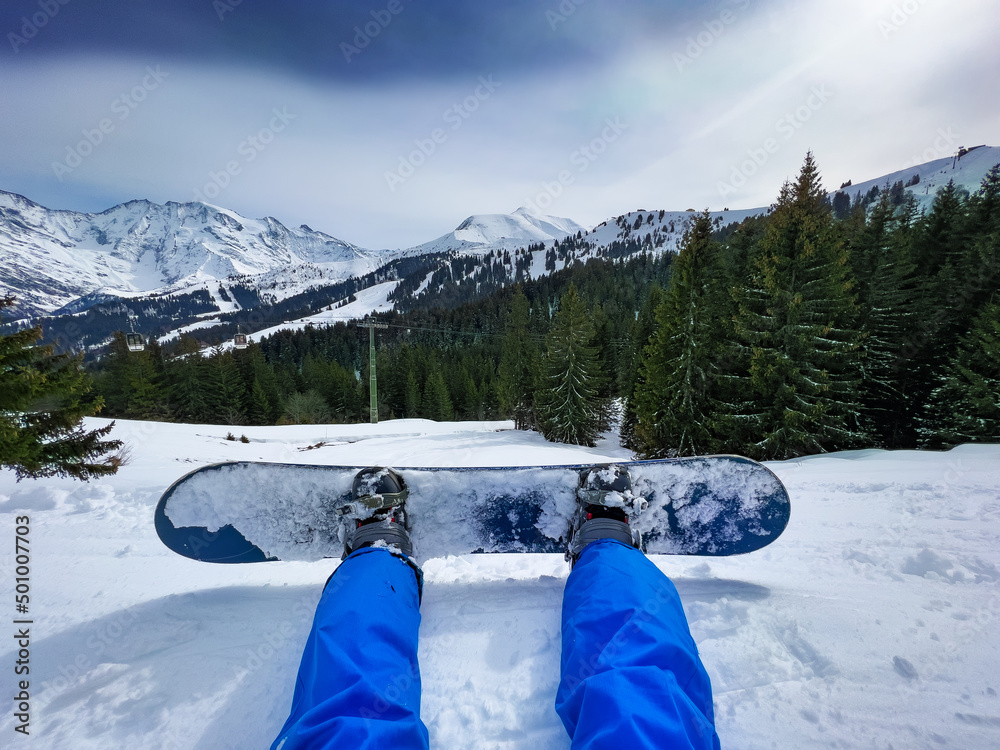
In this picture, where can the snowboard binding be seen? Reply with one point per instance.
(378, 508)
(605, 501)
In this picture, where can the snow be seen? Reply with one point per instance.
(481, 233)
(53, 257)
(367, 301)
(967, 173)
(871, 623)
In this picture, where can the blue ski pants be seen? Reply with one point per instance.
(631, 675)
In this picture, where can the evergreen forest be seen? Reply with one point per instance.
(814, 328)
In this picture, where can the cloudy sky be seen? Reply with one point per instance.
(387, 122)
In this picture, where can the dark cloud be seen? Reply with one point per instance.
(436, 38)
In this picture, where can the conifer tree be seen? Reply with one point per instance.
(43, 398)
(942, 250)
(676, 399)
(437, 402)
(259, 411)
(227, 392)
(519, 363)
(796, 321)
(147, 397)
(631, 379)
(412, 408)
(887, 289)
(187, 389)
(569, 408)
(965, 407)
(184, 382)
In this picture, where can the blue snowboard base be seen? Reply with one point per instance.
(245, 512)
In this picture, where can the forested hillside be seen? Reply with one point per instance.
(794, 333)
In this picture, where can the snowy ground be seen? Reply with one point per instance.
(872, 623)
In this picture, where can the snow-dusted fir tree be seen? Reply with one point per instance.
(631, 379)
(675, 401)
(796, 320)
(965, 407)
(888, 292)
(437, 403)
(43, 398)
(519, 361)
(569, 407)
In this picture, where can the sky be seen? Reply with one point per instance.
(386, 123)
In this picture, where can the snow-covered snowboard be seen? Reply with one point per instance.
(255, 512)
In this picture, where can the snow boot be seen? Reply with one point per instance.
(378, 505)
(605, 496)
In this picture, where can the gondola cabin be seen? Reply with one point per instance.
(135, 342)
(240, 341)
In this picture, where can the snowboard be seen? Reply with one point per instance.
(243, 512)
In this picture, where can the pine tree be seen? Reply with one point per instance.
(519, 363)
(226, 392)
(437, 402)
(965, 407)
(569, 407)
(887, 288)
(631, 379)
(676, 400)
(187, 389)
(943, 235)
(259, 411)
(147, 398)
(43, 399)
(412, 408)
(796, 322)
(948, 283)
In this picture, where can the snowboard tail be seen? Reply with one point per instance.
(256, 512)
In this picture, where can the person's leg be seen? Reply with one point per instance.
(358, 684)
(631, 674)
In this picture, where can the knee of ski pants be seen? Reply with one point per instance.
(417, 571)
(358, 683)
(626, 643)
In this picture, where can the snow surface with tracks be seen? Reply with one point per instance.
(871, 623)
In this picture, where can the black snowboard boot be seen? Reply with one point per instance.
(605, 497)
(378, 507)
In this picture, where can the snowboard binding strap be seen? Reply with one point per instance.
(374, 490)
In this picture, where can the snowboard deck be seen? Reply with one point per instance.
(243, 512)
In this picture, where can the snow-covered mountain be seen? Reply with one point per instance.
(52, 257)
(65, 261)
(924, 180)
(481, 233)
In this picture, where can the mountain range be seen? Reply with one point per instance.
(59, 262)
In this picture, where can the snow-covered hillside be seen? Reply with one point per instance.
(871, 623)
(967, 172)
(666, 228)
(484, 232)
(53, 257)
(63, 260)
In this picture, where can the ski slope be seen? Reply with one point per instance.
(870, 624)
